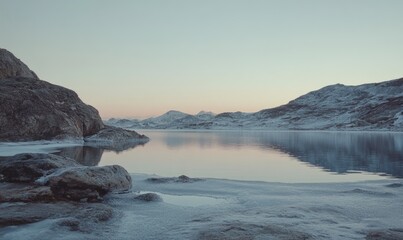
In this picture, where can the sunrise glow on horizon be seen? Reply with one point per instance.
(143, 58)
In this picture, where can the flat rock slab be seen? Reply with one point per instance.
(20, 192)
(87, 183)
(28, 167)
(24, 213)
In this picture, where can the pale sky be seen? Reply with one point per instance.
(143, 58)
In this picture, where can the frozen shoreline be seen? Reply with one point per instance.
(242, 210)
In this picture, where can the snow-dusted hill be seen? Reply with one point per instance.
(377, 106)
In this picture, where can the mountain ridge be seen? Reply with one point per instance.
(370, 106)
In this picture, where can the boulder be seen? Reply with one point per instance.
(31, 109)
(116, 139)
(21, 192)
(87, 183)
(148, 197)
(28, 167)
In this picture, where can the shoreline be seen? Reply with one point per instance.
(240, 210)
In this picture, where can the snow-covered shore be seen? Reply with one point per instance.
(224, 209)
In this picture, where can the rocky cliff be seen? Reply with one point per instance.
(32, 109)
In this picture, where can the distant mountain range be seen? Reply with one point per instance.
(375, 106)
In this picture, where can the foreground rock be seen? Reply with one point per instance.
(240, 230)
(48, 177)
(75, 216)
(87, 183)
(28, 167)
(23, 192)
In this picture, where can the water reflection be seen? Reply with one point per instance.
(339, 152)
(256, 155)
(87, 156)
(343, 152)
(91, 155)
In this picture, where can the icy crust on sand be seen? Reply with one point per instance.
(243, 210)
(42, 146)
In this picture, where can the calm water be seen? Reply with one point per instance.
(256, 155)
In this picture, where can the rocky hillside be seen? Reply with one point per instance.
(377, 106)
(369, 106)
(32, 109)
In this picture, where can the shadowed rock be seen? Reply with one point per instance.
(180, 179)
(21, 192)
(87, 183)
(148, 197)
(17, 214)
(239, 230)
(32, 109)
(28, 167)
(386, 234)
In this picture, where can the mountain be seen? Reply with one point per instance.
(375, 106)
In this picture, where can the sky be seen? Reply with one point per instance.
(139, 59)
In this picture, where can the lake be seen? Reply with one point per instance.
(274, 156)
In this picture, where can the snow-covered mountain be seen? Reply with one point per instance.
(376, 106)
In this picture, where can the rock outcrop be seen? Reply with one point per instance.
(47, 177)
(88, 183)
(10, 66)
(114, 138)
(29, 167)
(32, 109)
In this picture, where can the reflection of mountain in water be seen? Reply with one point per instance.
(338, 152)
(91, 155)
(342, 152)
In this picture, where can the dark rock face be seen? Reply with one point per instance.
(148, 197)
(48, 177)
(239, 230)
(88, 183)
(10, 66)
(31, 109)
(84, 215)
(22, 192)
(180, 179)
(29, 167)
